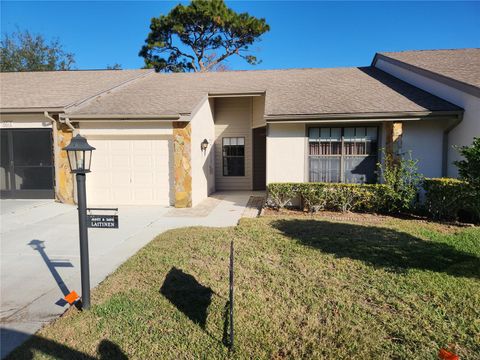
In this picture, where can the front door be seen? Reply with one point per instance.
(26, 170)
(259, 158)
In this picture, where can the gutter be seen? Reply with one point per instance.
(380, 116)
(33, 110)
(132, 117)
(236, 94)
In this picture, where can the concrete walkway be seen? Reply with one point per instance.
(40, 252)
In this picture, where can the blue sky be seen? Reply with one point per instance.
(303, 34)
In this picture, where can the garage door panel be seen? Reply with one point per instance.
(133, 171)
(144, 179)
(143, 161)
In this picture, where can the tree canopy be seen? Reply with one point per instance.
(200, 36)
(23, 51)
(469, 166)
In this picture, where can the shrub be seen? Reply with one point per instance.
(313, 196)
(469, 168)
(329, 196)
(350, 197)
(402, 182)
(451, 199)
(281, 194)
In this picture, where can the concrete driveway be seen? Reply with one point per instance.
(40, 252)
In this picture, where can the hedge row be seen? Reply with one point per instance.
(451, 199)
(446, 199)
(329, 196)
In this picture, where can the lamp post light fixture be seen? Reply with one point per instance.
(79, 153)
(204, 145)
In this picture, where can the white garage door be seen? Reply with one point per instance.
(130, 171)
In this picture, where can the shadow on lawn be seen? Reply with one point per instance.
(37, 344)
(188, 295)
(380, 247)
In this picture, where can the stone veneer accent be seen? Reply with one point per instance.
(394, 134)
(64, 186)
(182, 163)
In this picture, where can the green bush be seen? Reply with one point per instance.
(281, 194)
(469, 167)
(451, 199)
(402, 182)
(329, 196)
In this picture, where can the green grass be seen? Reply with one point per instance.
(305, 288)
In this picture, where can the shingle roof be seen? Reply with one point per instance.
(294, 91)
(57, 89)
(462, 65)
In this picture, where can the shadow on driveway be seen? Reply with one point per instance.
(52, 265)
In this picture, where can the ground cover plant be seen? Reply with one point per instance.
(306, 287)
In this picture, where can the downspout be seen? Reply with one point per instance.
(445, 146)
(69, 124)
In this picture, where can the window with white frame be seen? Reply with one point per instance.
(233, 149)
(342, 154)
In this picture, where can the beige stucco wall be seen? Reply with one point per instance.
(233, 118)
(99, 128)
(464, 132)
(286, 153)
(425, 141)
(21, 121)
(203, 162)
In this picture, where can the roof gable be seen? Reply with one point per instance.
(456, 67)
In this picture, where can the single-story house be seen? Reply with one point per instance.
(173, 139)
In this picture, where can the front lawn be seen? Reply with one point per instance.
(305, 287)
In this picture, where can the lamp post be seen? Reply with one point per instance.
(79, 158)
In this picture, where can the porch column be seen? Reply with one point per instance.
(182, 162)
(64, 191)
(393, 145)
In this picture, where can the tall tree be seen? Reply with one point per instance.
(23, 51)
(200, 37)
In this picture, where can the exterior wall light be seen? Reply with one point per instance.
(204, 145)
(79, 153)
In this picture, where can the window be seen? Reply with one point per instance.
(233, 156)
(343, 154)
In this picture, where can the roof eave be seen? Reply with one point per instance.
(366, 117)
(123, 117)
(236, 94)
(31, 110)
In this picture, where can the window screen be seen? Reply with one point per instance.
(343, 154)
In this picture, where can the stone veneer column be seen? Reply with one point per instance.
(394, 132)
(182, 162)
(64, 186)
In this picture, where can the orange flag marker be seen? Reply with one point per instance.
(447, 355)
(72, 297)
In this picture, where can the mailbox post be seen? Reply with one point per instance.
(80, 157)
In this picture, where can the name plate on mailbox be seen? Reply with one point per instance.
(102, 221)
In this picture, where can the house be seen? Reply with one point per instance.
(453, 75)
(173, 139)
